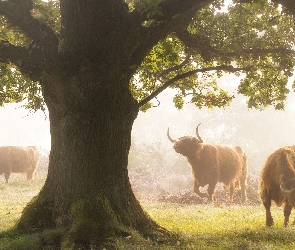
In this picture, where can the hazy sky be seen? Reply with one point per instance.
(19, 127)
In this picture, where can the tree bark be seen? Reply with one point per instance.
(87, 192)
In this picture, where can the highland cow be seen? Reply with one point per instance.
(212, 164)
(14, 159)
(277, 182)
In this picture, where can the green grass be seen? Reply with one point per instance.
(195, 226)
(13, 198)
(222, 227)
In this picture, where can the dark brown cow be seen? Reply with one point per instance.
(213, 163)
(277, 182)
(14, 159)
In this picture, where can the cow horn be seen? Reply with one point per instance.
(197, 133)
(286, 186)
(170, 137)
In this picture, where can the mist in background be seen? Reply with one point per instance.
(153, 164)
(258, 132)
(21, 127)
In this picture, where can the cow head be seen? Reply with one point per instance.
(187, 145)
(288, 186)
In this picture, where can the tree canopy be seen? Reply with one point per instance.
(253, 40)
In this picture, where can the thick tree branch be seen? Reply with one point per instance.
(171, 9)
(246, 53)
(289, 4)
(10, 53)
(177, 67)
(175, 14)
(18, 13)
(187, 74)
(202, 45)
(19, 56)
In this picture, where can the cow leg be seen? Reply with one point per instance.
(7, 174)
(35, 176)
(231, 191)
(197, 190)
(267, 203)
(287, 212)
(30, 175)
(211, 188)
(243, 189)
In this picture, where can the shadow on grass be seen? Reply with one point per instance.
(258, 239)
(52, 240)
(14, 239)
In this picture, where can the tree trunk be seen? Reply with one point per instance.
(87, 192)
(85, 84)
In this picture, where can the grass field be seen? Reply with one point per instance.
(212, 226)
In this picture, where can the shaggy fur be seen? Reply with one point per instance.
(278, 168)
(214, 163)
(14, 159)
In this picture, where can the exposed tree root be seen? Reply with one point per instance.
(87, 224)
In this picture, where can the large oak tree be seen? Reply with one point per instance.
(97, 63)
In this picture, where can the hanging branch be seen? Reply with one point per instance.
(177, 67)
(187, 74)
(202, 44)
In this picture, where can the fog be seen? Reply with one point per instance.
(156, 168)
(258, 132)
(22, 127)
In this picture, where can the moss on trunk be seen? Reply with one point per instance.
(87, 195)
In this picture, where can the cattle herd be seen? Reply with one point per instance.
(213, 163)
(210, 163)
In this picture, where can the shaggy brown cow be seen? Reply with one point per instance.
(277, 182)
(213, 163)
(14, 159)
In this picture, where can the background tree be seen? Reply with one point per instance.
(97, 63)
